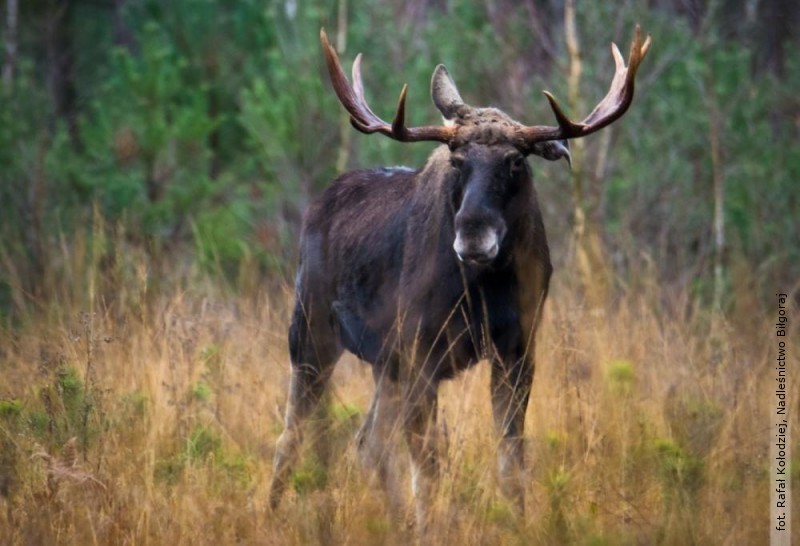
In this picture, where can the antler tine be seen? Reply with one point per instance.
(344, 92)
(361, 115)
(608, 110)
(366, 121)
(623, 81)
(374, 123)
(399, 121)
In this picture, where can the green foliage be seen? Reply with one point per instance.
(213, 376)
(237, 470)
(136, 404)
(682, 473)
(63, 407)
(344, 414)
(147, 134)
(10, 409)
(378, 528)
(170, 469)
(70, 388)
(468, 485)
(209, 134)
(203, 443)
(67, 410)
(201, 391)
(38, 422)
(621, 376)
(557, 484)
(211, 356)
(499, 512)
(205, 448)
(554, 440)
(312, 475)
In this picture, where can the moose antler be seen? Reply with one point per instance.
(611, 108)
(362, 117)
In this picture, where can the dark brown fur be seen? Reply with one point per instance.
(378, 276)
(425, 273)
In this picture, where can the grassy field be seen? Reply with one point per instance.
(135, 414)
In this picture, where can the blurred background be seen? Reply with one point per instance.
(156, 158)
(199, 130)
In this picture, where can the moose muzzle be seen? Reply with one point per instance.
(478, 242)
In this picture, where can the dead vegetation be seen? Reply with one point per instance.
(154, 422)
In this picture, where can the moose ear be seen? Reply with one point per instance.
(553, 150)
(445, 94)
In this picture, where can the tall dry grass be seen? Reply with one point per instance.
(136, 415)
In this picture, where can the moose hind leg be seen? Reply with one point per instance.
(313, 354)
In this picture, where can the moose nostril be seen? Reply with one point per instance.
(480, 249)
(477, 258)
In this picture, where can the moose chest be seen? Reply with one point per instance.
(471, 319)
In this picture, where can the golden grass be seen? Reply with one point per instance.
(642, 429)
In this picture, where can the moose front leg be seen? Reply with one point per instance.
(419, 426)
(511, 387)
(376, 439)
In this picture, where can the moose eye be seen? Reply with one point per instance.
(456, 161)
(516, 163)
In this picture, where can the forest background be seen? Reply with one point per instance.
(155, 162)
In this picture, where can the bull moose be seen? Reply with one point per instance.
(423, 273)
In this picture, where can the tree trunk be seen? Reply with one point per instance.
(34, 234)
(345, 130)
(718, 182)
(589, 254)
(775, 24)
(10, 62)
(212, 75)
(61, 66)
(123, 37)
